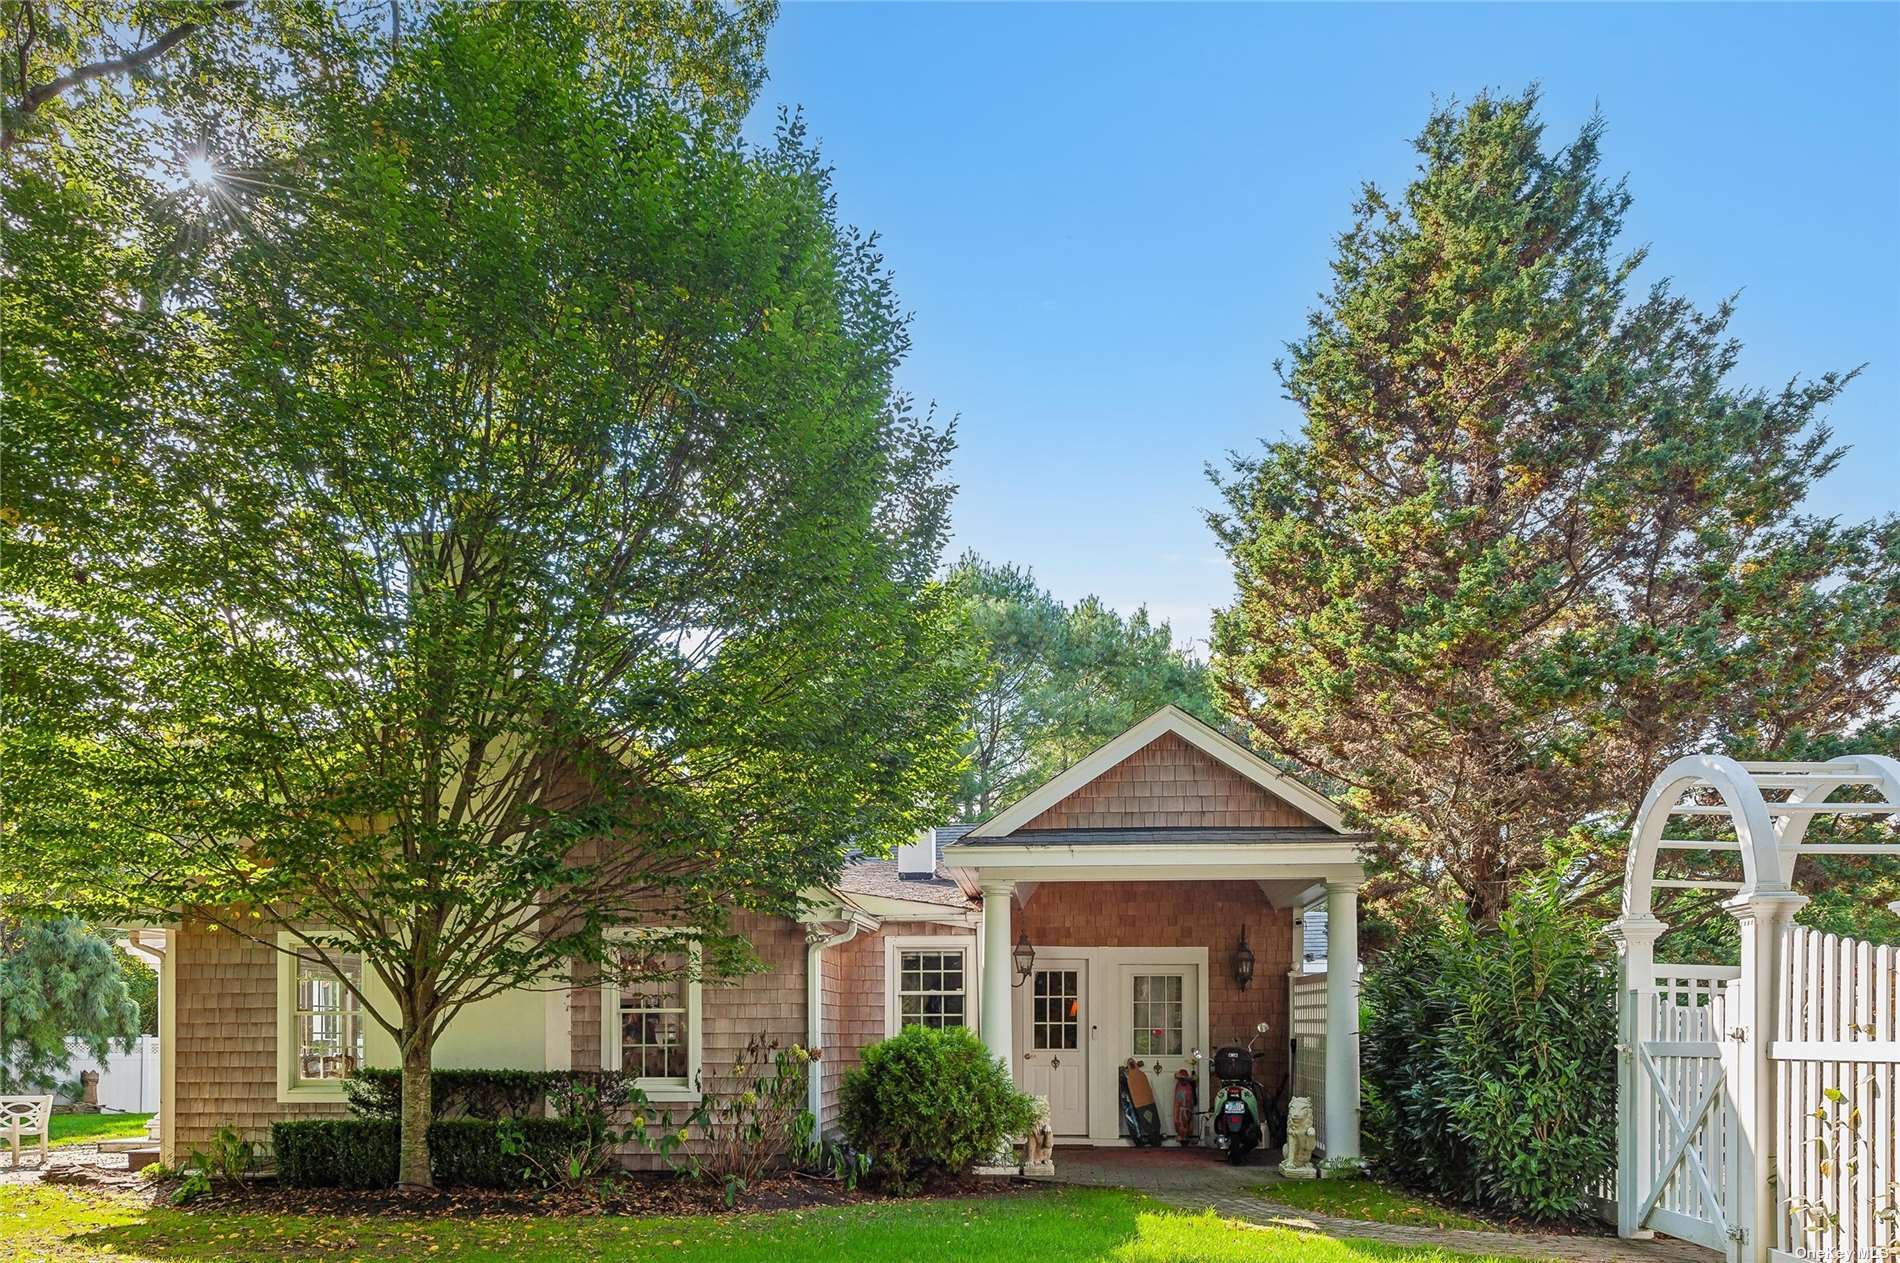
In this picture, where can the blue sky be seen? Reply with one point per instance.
(1107, 220)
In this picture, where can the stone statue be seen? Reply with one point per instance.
(1039, 1149)
(1297, 1160)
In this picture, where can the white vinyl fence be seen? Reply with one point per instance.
(1756, 1110)
(1834, 1056)
(128, 1081)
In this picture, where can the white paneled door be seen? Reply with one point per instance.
(1160, 1027)
(1055, 1042)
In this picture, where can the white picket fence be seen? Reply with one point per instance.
(1835, 1056)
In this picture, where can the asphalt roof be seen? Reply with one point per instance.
(881, 878)
(1162, 836)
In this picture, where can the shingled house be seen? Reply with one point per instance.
(1144, 904)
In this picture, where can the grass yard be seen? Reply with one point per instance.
(58, 1225)
(1367, 1199)
(82, 1129)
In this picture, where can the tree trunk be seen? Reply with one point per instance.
(418, 1111)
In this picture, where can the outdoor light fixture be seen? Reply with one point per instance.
(1025, 957)
(1243, 961)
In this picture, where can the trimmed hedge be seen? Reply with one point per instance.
(377, 1093)
(362, 1152)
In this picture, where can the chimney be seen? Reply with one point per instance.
(917, 860)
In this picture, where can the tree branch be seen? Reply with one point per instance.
(36, 97)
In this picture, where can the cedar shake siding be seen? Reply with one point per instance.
(1182, 914)
(854, 1009)
(770, 1003)
(226, 1025)
(1170, 784)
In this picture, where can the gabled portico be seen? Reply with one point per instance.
(1130, 884)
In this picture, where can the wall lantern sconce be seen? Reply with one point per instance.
(1243, 962)
(1025, 958)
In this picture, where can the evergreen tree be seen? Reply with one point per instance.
(1531, 542)
(58, 981)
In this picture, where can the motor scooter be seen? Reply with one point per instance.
(1238, 1121)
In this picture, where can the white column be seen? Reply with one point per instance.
(1751, 1018)
(997, 968)
(1342, 1019)
(1635, 939)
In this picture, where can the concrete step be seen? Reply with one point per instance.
(139, 1159)
(130, 1144)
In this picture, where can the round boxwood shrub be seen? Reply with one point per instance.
(1489, 1060)
(930, 1102)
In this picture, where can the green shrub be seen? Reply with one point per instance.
(376, 1093)
(463, 1152)
(1489, 1060)
(336, 1152)
(930, 1102)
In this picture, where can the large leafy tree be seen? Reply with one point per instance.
(58, 981)
(519, 536)
(1056, 680)
(1531, 541)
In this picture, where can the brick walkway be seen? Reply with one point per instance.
(1194, 1180)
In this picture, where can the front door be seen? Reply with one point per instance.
(1055, 1051)
(1160, 1028)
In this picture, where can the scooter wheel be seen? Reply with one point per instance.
(1236, 1155)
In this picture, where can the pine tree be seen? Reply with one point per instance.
(1531, 543)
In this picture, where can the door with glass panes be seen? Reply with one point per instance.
(1055, 1042)
(1160, 1027)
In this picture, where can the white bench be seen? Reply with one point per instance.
(26, 1116)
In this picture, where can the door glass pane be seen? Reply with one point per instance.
(1058, 1008)
(1158, 1015)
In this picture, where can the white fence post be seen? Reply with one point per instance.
(1635, 939)
(1752, 1011)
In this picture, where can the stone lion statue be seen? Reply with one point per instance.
(1297, 1161)
(1040, 1146)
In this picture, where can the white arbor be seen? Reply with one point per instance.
(1723, 1067)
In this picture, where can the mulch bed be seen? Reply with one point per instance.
(641, 1194)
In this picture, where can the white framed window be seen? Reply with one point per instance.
(929, 980)
(1160, 1014)
(650, 1027)
(320, 1020)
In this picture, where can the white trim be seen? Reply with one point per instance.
(291, 1088)
(884, 908)
(1020, 862)
(895, 943)
(168, 1046)
(1191, 730)
(658, 1090)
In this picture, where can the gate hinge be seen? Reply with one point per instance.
(1739, 1034)
(1738, 1233)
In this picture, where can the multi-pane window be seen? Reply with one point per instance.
(1158, 1015)
(653, 1016)
(930, 989)
(326, 1018)
(1057, 1016)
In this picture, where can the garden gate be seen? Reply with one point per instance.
(1755, 1102)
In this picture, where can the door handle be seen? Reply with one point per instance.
(1055, 1063)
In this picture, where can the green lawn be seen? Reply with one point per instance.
(80, 1129)
(58, 1225)
(1366, 1199)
